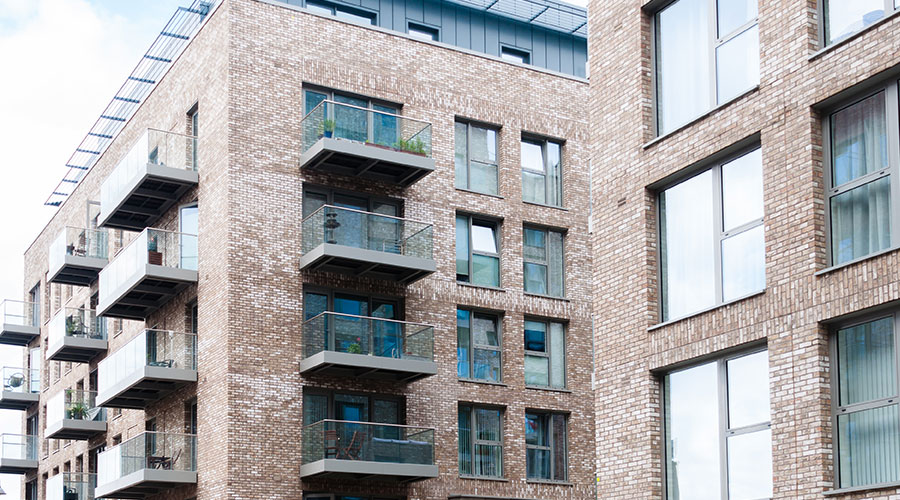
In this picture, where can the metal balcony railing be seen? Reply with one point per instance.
(71, 486)
(364, 441)
(366, 230)
(331, 331)
(150, 348)
(148, 450)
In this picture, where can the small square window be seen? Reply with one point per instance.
(542, 172)
(477, 251)
(543, 262)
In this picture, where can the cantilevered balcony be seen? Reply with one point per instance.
(18, 454)
(147, 368)
(146, 465)
(21, 322)
(362, 347)
(348, 241)
(71, 486)
(74, 414)
(160, 167)
(147, 273)
(21, 388)
(77, 255)
(359, 142)
(76, 335)
(355, 450)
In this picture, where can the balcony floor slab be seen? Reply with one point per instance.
(362, 469)
(144, 483)
(367, 263)
(144, 386)
(18, 335)
(80, 430)
(366, 161)
(147, 196)
(76, 349)
(10, 400)
(145, 291)
(343, 364)
(77, 270)
(17, 466)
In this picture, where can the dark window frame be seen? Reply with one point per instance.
(543, 142)
(495, 225)
(470, 124)
(473, 420)
(497, 318)
(547, 417)
(546, 262)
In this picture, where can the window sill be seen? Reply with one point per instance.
(480, 192)
(852, 36)
(864, 258)
(485, 478)
(704, 311)
(485, 287)
(484, 382)
(549, 482)
(700, 117)
(856, 489)
(545, 205)
(550, 389)
(551, 297)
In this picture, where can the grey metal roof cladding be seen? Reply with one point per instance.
(552, 15)
(168, 45)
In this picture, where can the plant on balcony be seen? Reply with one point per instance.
(414, 146)
(328, 127)
(355, 348)
(76, 411)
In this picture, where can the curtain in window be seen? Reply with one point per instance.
(682, 62)
(869, 446)
(462, 343)
(554, 175)
(559, 447)
(465, 441)
(460, 157)
(486, 361)
(555, 262)
(488, 456)
(557, 355)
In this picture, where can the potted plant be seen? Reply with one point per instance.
(415, 146)
(153, 256)
(77, 411)
(355, 348)
(328, 127)
(72, 326)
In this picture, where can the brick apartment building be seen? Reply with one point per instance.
(337, 252)
(745, 282)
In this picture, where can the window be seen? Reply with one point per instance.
(478, 345)
(189, 227)
(866, 419)
(515, 55)
(541, 172)
(423, 32)
(545, 444)
(712, 248)
(320, 405)
(543, 262)
(350, 119)
(545, 353)
(718, 440)
(845, 17)
(707, 53)
(342, 12)
(477, 251)
(861, 142)
(476, 158)
(480, 441)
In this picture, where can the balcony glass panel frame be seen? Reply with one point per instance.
(76, 328)
(77, 249)
(74, 404)
(150, 348)
(72, 486)
(165, 453)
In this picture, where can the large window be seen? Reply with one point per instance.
(480, 441)
(845, 17)
(476, 158)
(478, 345)
(542, 172)
(545, 443)
(865, 401)
(543, 261)
(545, 353)
(862, 141)
(707, 53)
(718, 441)
(477, 251)
(711, 237)
(350, 118)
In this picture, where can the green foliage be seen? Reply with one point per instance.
(413, 145)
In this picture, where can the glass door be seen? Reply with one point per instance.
(350, 229)
(351, 333)
(387, 336)
(385, 233)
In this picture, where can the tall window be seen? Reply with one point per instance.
(545, 443)
(865, 401)
(476, 157)
(477, 251)
(480, 441)
(545, 353)
(711, 237)
(718, 441)
(845, 17)
(542, 172)
(194, 126)
(543, 261)
(862, 152)
(707, 52)
(189, 226)
(34, 296)
(478, 345)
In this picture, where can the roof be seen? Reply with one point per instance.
(557, 16)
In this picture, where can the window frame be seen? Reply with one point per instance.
(522, 56)
(713, 43)
(330, 95)
(548, 353)
(422, 28)
(498, 324)
(469, 124)
(546, 263)
(495, 225)
(543, 143)
(725, 429)
(473, 419)
(720, 234)
(371, 397)
(548, 415)
(836, 408)
(822, 11)
(335, 8)
(891, 89)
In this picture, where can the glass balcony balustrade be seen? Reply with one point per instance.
(72, 486)
(18, 454)
(358, 346)
(149, 271)
(77, 255)
(21, 322)
(158, 169)
(74, 414)
(147, 464)
(347, 450)
(365, 143)
(344, 240)
(21, 388)
(76, 335)
(147, 368)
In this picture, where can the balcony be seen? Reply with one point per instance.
(367, 144)
(365, 244)
(361, 347)
(355, 450)
(73, 414)
(77, 255)
(147, 273)
(146, 465)
(71, 486)
(21, 322)
(146, 369)
(18, 454)
(21, 388)
(76, 335)
(155, 174)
